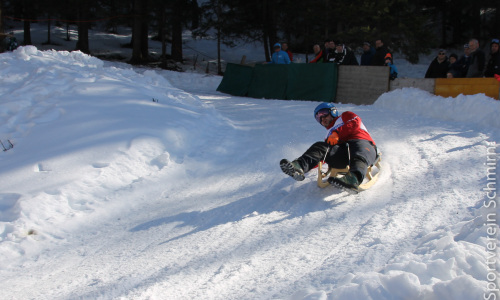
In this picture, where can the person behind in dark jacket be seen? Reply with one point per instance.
(463, 62)
(477, 60)
(380, 54)
(329, 51)
(367, 56)
(439, 66)
(455, 69)
(344, 56)
(493, 66)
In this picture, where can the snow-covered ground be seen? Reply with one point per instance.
(146, 184)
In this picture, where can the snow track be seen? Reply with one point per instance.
(184, 199)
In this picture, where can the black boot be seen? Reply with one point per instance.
(293, 169)
(350, 181)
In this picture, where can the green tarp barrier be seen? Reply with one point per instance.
(269, 81)
(236, 80)
(316, 82)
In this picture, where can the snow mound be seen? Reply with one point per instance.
(472, 109)
(101, 128)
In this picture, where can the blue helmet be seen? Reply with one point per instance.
(326, 106)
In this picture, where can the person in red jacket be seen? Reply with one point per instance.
(347, 143)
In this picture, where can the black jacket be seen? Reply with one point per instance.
(346, 57)
(437, 70)
(476, 65)
(328, 55)
(493, 66)
(379, 56)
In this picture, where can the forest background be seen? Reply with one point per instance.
(408, 27)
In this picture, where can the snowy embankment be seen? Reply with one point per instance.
(141, 184)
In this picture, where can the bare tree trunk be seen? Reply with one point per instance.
(195, 15)
(48, 30)
(265, 33)
(177, 41)
(443, 28)
(326, 19)
(67, 32)
(27, 33)
(162, 32)
(177, 32)
(271, 23)
(496, 24)
(144, 30)
(1, 19)
(137, 54)
(27, 13)
(83, 28)
(219, 67)
(2, 48)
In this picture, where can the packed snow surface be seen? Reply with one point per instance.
(140, 184)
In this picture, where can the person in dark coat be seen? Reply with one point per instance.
(463, 62)
(455, 69)
(367, 56)
(493, 66)
(477, 60)
(344, 56)
(329, 51)
(380, 53)
(439, 66)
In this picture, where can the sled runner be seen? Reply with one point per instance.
(371, 177)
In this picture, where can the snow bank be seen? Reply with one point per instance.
(473, 109)
(99, 128)
(449, 263)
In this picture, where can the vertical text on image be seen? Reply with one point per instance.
(492, 286)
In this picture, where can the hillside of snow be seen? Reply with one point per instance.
(146, 184)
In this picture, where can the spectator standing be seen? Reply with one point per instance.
(477, 60)
(279, 56)
(439, 66)
(367, 56)
(493, 66)
(329, 51)
(284, 47)
(464, 62)
(344, 56)
(454, 70)
(380, 53)
(318, 54)
(393, 72)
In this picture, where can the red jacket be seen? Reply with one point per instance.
(348, 126)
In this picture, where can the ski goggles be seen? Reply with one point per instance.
(496, 41)
(321, 114)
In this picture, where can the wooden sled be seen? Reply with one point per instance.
(370, 178)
